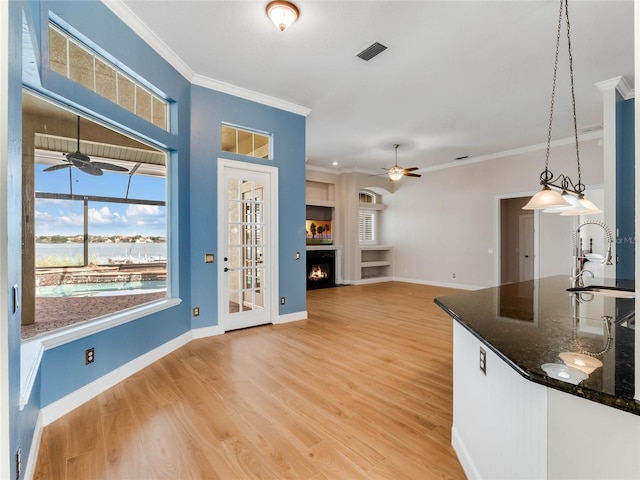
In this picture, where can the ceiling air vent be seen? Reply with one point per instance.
(371, 51)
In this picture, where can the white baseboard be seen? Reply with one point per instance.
(291, 317)
(66, 404)
(366, 281)
(207, 331)
(437, 284)
(465, 460)
(29, 468)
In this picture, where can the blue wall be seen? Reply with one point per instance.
(194, 143)
(625, 188)
(209, 109)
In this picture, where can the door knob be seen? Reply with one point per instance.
(226, 269)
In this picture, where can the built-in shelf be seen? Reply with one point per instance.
(314, 202)
(375, 261)
(320, 194)
(375, 247)
(381, 263)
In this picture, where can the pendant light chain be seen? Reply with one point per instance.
(546, 175)
(560, 194)
(579, 187)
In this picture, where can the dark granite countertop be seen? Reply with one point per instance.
(529, 324)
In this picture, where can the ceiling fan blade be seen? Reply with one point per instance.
(109, 166)
(57, 167)
(408, 174)
(90, 169)
(411, 169)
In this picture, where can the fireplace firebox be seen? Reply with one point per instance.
(321, 266)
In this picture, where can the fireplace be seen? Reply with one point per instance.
(321, 266)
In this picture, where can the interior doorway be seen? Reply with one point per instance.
(517, 241)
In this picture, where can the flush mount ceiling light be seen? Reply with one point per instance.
(560, 194)
(282, 13)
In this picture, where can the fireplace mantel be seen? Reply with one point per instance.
(324, 247)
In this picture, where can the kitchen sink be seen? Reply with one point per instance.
(605, 291)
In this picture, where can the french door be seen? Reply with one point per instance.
(247, 241)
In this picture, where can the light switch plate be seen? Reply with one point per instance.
(209, 258)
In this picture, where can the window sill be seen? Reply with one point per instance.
(33, 348)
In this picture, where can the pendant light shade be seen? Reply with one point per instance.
(588, 208)
(282, 13)
(546, 198)
(574, 205)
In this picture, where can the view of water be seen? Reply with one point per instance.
(134, 252)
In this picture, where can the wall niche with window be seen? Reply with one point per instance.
(375, 258)
(95, 219)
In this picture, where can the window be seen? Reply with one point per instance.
(99, 238)
(245, 142)
(366, 226)
(367, 217)
(70, 57)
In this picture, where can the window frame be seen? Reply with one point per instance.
(368, 210)
(66, 334)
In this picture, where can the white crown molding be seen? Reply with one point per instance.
(517, 151)
(493, 156)
(143, 31)
(620, 84)
(316, 168)
(236, 91)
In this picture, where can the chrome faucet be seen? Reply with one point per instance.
(578, 271)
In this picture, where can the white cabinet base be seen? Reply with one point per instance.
(506, 427)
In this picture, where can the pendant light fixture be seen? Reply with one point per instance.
(560, 194)
(282, 13)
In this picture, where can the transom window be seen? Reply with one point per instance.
(70, 57)
(246, 142)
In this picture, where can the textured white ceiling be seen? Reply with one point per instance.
(458, 78)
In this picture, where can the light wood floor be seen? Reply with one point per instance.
(362, 389)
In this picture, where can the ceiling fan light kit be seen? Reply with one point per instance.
(560, 194)
(396, 172)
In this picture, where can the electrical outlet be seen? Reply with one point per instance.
(483, 361)
(89, 356)
(18, 463)
(196, 311)
(282, 300)
(454, 275)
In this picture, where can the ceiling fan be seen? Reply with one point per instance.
(396, 172)
(83, 162)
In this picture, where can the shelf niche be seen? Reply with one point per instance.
(375, 261)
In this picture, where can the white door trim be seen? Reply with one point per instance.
(273, 270)
(496, 235)
(5, 345)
